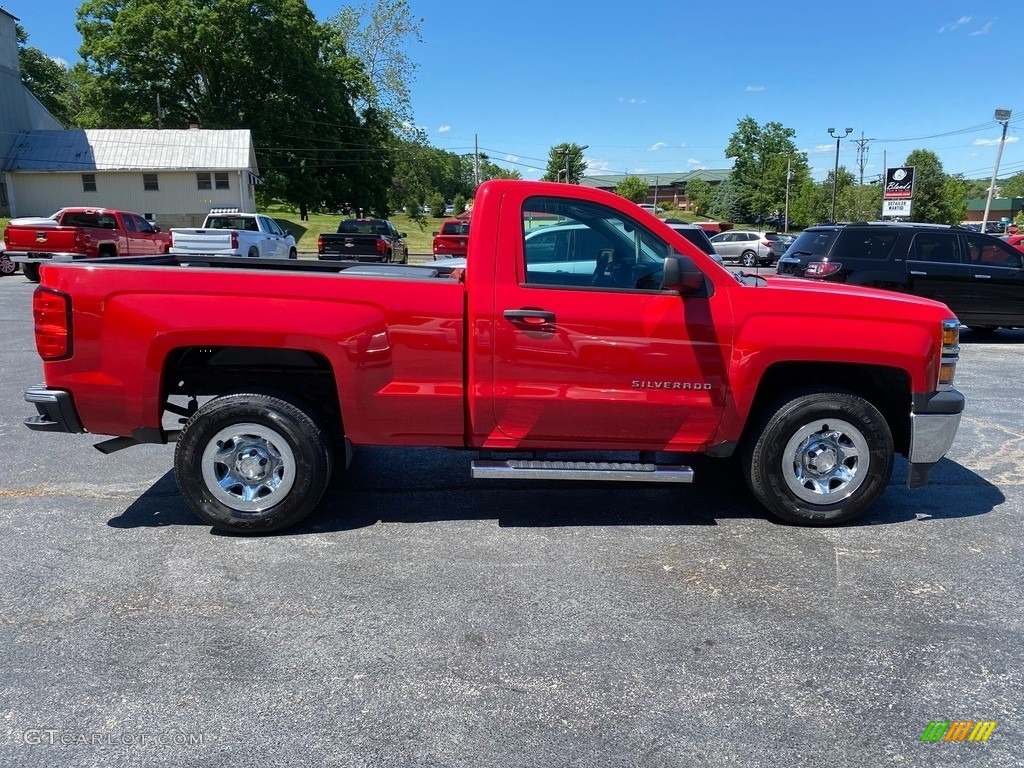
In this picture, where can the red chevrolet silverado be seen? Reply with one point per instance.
(550, 356)
(80, 233)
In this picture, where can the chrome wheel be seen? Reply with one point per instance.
(826, 461)
(7, 267)
(248, 467)
(749, 259)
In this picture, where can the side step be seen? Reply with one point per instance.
(526, 469)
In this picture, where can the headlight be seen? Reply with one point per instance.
(950, 353)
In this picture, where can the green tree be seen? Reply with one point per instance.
(48, 80)
(761, 156)
(267, 66)
(562, 156)
(975, 188)
(378, 37)
(633, 188)
(700, 194)
(1012, 187)
(935, 200)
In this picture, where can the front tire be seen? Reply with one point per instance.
(252, 463)
(31, 270)
(820, 458)
(7, 267)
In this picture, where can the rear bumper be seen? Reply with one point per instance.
(934, 421)
(55, 411)
(21, 257)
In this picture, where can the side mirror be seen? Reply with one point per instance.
(402, 234)
(681, 274)
(435, 233)
(157, 229)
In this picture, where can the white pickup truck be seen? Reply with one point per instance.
(231, 233)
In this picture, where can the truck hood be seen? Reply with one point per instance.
(804, 288)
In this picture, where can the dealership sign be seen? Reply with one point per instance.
(899, 184)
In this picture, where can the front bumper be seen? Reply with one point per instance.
(934, 421)
(55, 411)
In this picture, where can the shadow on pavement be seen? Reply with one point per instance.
(430, 485)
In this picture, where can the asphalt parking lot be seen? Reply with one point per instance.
(424, 619)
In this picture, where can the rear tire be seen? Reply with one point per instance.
(820, 458)
(293, 254)
(31, 270)
(252, 463)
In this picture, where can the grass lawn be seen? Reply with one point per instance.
(419, 232)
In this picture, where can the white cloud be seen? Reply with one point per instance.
(695, 163)
(656, 146)
(631, 100)
(60, 61)
(754, 88)
(511, 158)
(958, 23)
(821, 149)
(994, 142)
(444, 129)
(597, 165)
(983, 31)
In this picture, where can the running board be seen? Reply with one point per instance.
(521, 469)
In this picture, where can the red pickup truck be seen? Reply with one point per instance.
(80, 233)
(452, 239)
(549, 359)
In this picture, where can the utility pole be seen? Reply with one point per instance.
(862, 158)
(835, 173)
(159, 113)
(1002, 116)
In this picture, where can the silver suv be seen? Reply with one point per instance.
(750, 248)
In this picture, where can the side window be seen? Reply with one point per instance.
(589, 245)
(993, 253)
(938, 247)
(142, 225)
(864, 244)
(129, 223)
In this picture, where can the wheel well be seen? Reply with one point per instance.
(888, 389)
(204, 372)
(106, 250)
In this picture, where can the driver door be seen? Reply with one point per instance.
(589, 351)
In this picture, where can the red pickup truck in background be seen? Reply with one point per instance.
(452, 239)
(549, 356)
(80, 233)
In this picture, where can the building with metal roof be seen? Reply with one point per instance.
(661, 187)
(172, 177)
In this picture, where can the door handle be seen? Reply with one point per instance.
(533, 318)
(983, 277)
(919, 274)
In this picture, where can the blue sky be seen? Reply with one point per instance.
(659, 87)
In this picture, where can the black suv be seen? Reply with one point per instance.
(979, 277)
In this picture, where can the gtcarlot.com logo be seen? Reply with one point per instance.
(37, 737)
(958, 730)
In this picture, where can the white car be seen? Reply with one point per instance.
(230, 233)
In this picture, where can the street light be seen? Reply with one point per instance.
(566, 151)
(1002, 116)
(835, 173)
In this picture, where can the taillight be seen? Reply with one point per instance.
(822, 268)
(52, 313)
(319, 243)
(382, 246)
(766, 243)
(234, 241)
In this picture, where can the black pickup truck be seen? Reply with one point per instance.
(364, 240)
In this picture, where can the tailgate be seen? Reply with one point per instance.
(43, 239)
(451, 243)
(350, 245)
(203, 240)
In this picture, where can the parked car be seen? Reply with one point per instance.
(71, 234)
(1017, 241)
(651, 209)
(749, 248)
(7, 267)
(697, 236)
(235, 233)
(451, 239)
(364, 240)
(979, 277)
